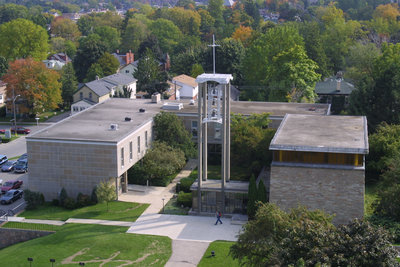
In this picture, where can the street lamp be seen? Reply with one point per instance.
(15, 116)
(37, 121)
(30, 261)
(52, 262)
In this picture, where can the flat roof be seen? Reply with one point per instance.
(94, 123)
(279, 109)
(316, 133)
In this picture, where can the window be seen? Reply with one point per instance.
(126, 71)
(81, 95)
(90, 95)
(194, 128)
(146, 144)
(76, 109)
(130, 150)
(122, 157)
(82, 108)
(138, 144)
(217, 131)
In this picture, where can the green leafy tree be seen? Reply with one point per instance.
(135, 33)
(22, 38)
(94, 72)
(110, 37)
(215, 8)
(167, 33)
(91, 48)
(170, 129)
(86, 24)
(197, 69)
(105, 192)
(261, 192)
(108, 63)
(69, 84)
(3, 66)
(162, 160)
(9, 12)
(150, 78)
(252, 193)
(65, 28)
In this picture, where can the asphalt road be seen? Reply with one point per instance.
(18, 205)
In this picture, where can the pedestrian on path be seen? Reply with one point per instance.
(219, 215)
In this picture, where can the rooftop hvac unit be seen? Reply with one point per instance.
(113, 127)
(173, 106)
(142, 110)
(128, 119)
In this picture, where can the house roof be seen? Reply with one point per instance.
(316, 133)
(100, 87)
(120, 79)
(331, 85)
(185, 79)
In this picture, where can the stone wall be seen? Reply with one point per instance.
(336, 191)
(13, 236)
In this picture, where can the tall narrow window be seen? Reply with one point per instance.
(194, 128)
(90, 95)
(81, 95)
(122, 157)
(130, 150)
(138, 144)
(146, 144)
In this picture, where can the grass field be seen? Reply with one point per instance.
(92, 245)
(32, 226)
(117, 211)
(221, 258)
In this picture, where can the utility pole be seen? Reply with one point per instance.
(213, 45)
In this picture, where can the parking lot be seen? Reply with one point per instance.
(18, 205)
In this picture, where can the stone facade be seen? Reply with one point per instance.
(336, 191)
(13, 236)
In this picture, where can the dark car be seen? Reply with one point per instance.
(3, 159)
(11, 185)
(11, 196)
(21, 166)
(20, 130)
(8, 166)
(23, 157)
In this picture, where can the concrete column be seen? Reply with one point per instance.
(199, 145)
(205, 136)
(125, 184)
(228, 132)
(223, 148)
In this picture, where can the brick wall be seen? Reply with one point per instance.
(335, 191)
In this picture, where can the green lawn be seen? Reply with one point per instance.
(117, 211)
(238, 173)
(91, 244)
(32, 226)
(370, 197)
(221, 258)
(172, 208)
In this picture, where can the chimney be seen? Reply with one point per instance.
(338, 83)
(156, 98)
(117, 51)
(129, 58)
(97, 77)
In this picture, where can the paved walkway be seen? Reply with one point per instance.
(181, 248)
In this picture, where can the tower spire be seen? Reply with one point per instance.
(213, 45)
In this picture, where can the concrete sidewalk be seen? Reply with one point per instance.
(100, 222)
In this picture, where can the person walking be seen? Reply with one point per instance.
(219, 215)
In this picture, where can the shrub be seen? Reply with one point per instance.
(83, 200)
(33, 199)
(5, 140)
(63, 196)
(55, 202)
(185, 199)
(186, 183)
(93, 196)
(69, 203)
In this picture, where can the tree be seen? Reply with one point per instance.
(379, 97)
(170, 129)
(108, 63)
(188, 21)
(162, 160)
(167, 33)
(110, 37)
(277, 238)
(86, 24)
(135, 33)
(252, 193)
(37, 85)
(94, 72)
(3, 66)
(65, 28)
(197, 69)
(22, 38)
(69, 84)
(277, 60)
(9, 12)
(215, 8)
(261, 192)
(105, 192)
(243, 34)
(150, 78)
(91, 48)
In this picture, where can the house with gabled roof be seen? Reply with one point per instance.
(185, 87)
(100, 90)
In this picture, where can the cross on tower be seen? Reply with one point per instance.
(213, 45)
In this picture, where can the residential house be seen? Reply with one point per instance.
(2, 93)
(57, 61)
(99, 90)
(188, 87)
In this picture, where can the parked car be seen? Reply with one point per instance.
(3, 159)
(23, 156)
(11, 196)
(8, 166)
(20, 130)
(15, 184)
(21, 166)
(2, 131)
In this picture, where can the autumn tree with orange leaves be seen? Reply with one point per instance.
(38, 87)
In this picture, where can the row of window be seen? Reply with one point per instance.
(81, 95)
(319, 158)
(76, 109)
(146, 144)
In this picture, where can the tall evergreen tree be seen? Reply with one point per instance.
(69, 84)
(251, 204)
(262, 192)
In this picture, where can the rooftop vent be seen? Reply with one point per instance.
(191, 102)
(155, 98)
(128, 119)
(113, 127)
(142, 110)
(173, 106)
